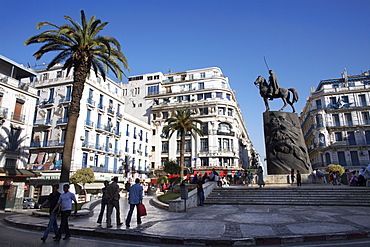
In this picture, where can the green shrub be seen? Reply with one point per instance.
(168, 196)
(335, 168)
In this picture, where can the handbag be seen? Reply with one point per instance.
(142, 210)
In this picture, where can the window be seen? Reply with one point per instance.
(335, 85)
(204, 161)
(230, 112)
(333, 101)
(98, 124)
(165, 147)
(348, 118)
(354, 158)
(149, 78)
(165, 115)
(51, 95)
(338, 136)
(362, 99)
(351, 138)
(17, 115)
(367, 137)
(318, 104)
(207, 95)
(203, 111)
(221, 111)
(218, 95)
(152, 90)
(336, 121)
(204, 128)
(322, 141)
(365, 117)
(59, 74)
(156, 77)
(224, 127)
(204, 144)
(199, 96)
(345, 99)
(191, 77)
(201, 85)
(342, 158)
(319, 121)
(203, 75)
(327, 159)
(228, 96)
(45, 76)
(101, 98)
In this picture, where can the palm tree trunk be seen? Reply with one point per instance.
(182, 156)
(81, 69)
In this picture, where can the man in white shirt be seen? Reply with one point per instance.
(65, 204)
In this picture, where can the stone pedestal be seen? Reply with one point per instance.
(284, 142)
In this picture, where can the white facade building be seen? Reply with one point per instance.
(225, 145)
(336, 122)
(101, 141)
(17, 103)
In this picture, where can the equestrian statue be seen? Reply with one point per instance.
(272, 90)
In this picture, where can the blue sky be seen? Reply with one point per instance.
(303, 41)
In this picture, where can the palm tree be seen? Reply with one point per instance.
(80, 47)
(11, 143)
(183, 122)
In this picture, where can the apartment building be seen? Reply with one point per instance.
(101, 143)
(225, 144)
(336, 122)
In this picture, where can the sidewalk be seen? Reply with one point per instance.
(228, 225)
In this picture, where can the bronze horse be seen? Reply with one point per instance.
(283, 93)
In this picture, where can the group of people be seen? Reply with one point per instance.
(296, 177)
(62, 203)
(358, 178)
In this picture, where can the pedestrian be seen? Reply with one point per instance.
(200, 190)
(53, 199)
(299, 179)
(260, 181)
(127, 187)
(135, 198)
(292, 175)
(113, 202)
(65, 204)
(104, 202)
(195, 179)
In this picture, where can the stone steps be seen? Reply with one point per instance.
(326, 196)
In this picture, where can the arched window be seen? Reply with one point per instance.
(322, 141)
(224, 127)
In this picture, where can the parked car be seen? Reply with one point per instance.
(29, 202)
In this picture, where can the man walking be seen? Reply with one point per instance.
(104, 202)
(200, 190)
(53, 199)
(134, 199)
(65, 203)
(113, 202)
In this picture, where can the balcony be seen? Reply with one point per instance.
(119, 115)
(3, 112)
(101, 107)
(46, 122)
(62, 121)
(228, 133)
(65, 99)
(18, 117)
(89, 123)
(90, 102)
(110, 111)
(51, 143)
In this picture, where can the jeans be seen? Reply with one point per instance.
(129, 215)
(64, 224)
(113, 204)
(52, 224)
(201, 198)
(102, 208)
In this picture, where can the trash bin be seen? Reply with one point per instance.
(184, 191)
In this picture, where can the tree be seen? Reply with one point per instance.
(171, 167)
(183, 122)
(80, 48)
(83, 176)
(335, 168)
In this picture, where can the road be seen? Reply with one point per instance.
(15, 237)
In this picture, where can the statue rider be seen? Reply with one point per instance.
(274, 85)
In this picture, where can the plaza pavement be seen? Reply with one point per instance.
(227, 225)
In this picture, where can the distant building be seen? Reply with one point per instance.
(225, 144)
(336, 122)
(17, 101)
